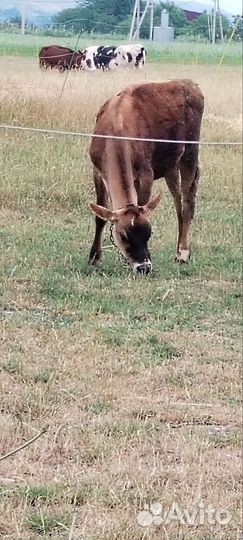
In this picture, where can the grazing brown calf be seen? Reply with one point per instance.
(124, 171)
(56, 56)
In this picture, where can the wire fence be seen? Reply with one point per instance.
(190, 28)
(58, 55)
(84, 134)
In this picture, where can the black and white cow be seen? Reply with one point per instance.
(105, 57)
(133, 55)
(99, 57)
(111, 57)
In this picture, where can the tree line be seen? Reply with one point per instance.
(114, 17)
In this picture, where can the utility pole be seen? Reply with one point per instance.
(133, 21)
(151, 26)
(209, 28)
(214, 22)
(220, 23)
(138, 19)
(23, 14)
(144, 13)
(216, 13)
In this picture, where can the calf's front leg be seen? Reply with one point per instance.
(101, 199)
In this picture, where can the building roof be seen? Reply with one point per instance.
(198, 7)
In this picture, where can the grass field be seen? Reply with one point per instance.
(176, 52)
(138, 378)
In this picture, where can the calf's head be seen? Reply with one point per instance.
(132, 231)
(88, 61)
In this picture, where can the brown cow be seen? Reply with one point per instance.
(61, 57)
(125, 170)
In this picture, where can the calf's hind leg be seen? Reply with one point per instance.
(102, 199)
(173, 182)
(189, 185)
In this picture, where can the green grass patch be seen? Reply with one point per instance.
(99, 407)
(36, 495)
(224, 441)
(13, 366)
(47, 523)
(174, 52)
(43, 376)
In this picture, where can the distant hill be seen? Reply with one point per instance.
(40, 15)
(7, 14)
(34, 16)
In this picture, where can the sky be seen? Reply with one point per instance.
(232, 6)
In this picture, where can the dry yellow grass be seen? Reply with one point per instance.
(140, 385)
(22, 80)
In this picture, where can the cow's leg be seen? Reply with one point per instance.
(102, 199)
(173, 182)
(189, 185)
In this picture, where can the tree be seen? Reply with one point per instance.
(96, 15)
(238, 23)
(16, 20)
(200, 26)
(123, 27)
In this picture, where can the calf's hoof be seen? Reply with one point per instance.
(182, 256)
(94, 257)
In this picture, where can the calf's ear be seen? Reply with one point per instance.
(151, 205)
(102, 212)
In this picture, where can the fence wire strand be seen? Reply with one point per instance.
(116, 137)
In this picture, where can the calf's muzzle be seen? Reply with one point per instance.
(143, 268)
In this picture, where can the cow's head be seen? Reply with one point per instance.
(88, 61)
(132, 231)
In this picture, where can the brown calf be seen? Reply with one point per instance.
(56, 56)
(124, 171)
